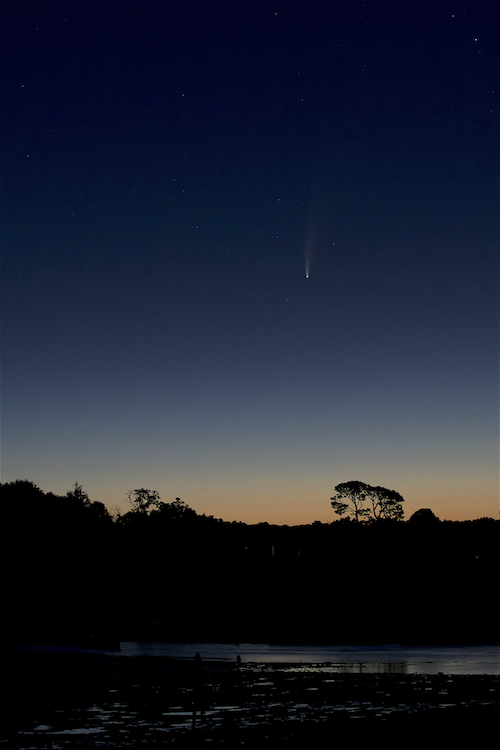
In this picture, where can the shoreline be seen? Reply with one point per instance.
(107, 701)
(431, 659)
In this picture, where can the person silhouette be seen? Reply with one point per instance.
(197, 688)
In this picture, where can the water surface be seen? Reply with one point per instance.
(383, 659)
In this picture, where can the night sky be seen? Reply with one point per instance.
(171, 171)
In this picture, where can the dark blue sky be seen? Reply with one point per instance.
(168, 171)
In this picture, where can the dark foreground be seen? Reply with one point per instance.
(54, 700)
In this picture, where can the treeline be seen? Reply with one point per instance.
(72, 573)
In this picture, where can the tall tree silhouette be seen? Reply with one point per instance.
(365, 503)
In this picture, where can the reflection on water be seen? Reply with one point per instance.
(275, 693)
(235, 707)
(350, 659)
(394, 667)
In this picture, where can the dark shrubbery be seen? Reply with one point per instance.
(163, 572)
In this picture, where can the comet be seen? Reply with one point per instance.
(309, 242)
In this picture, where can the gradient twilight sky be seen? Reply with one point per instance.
(168, 169)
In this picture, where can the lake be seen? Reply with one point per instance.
(356, 659)
(290, 696)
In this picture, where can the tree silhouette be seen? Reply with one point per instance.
(424, 517)
(365, 503)
(177, 510)
(59, 587)
(79, 495)
(386, 504)
(355, 495)
(144, 501)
